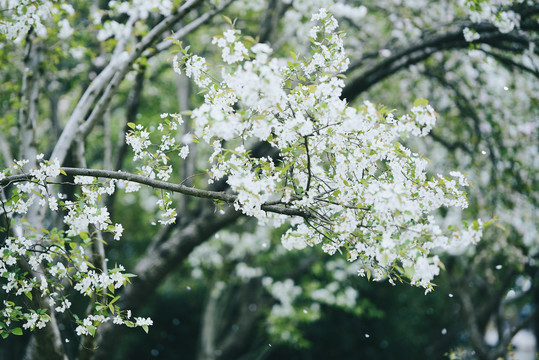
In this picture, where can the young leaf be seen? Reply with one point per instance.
(421, 102)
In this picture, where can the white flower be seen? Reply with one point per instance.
(66, 304)
(143, 321)
(232, 50)
(470, 35)
(84, 180)
(322, 14)
(176, 65)
(81, 330)
(65, 29)
(196, 68)
(184, 151)
(132, 187)
(118, 230)
(53, 203)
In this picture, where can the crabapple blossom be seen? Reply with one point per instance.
(362, 191)
(354, 186)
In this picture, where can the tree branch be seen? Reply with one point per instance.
(418, 52)
(162, 257)
(510, 63)
(115, 67)
(45, 342)
(476, 334)
(193, 25)
(177, 188)
(5, 151)
(309, 175)
(28, 112)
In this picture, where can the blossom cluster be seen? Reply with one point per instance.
(494, 11)
(232, 51)
(365, 194)
(155, 157)
(19, 17)
(256, 258)
(226, 247)
(25, 15)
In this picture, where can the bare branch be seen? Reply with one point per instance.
(476, 335)
(308, 163)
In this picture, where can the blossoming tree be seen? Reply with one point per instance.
(271, 136)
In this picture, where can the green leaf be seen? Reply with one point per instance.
(62, 172)
(28, 295)
(17, 331)
(145, 328)
(114, 300)
(421, 102)
(441, 265)
(91, 330)
(250, 39)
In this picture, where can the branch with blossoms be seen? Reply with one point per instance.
(367, 195)
(342, 180)
(270, 206)
(46, 265)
